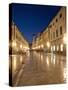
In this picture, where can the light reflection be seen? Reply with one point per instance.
(28, 53)
(53, 59)
(21, 59)
(65, 75)
(14, 62)
(17, 49)
(47, 60)
(61, 47)
(42, 58)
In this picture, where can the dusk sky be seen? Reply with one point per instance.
(32, 19)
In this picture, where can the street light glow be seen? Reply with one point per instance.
(42, 46)
(14, 44)
(25, 48)
(21, 46)
(54, 48)
(61, 47)
(65, 39)
(47, 61)
(48, 44)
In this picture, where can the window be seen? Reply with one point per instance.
(50, 26)
(60, 15)
(53, 35)
(56, 33)
(53, 23)
(56, 20)
(60, 30)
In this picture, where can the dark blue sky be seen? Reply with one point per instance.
(32, 19)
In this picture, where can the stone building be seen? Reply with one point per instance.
(57, 28)
(18, 48)
(53, 38)
(17, 42)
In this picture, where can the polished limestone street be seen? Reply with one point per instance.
(41, 68)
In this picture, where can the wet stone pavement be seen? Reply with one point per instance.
(42, 68)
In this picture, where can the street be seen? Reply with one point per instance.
(41, 68)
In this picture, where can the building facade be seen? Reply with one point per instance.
(57, 28)
(17, 42)
(18, 47)
(54, 36)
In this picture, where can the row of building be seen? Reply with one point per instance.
(18, 47)
(17, 43)
(53, 38)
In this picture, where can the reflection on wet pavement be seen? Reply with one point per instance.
(41, 68)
